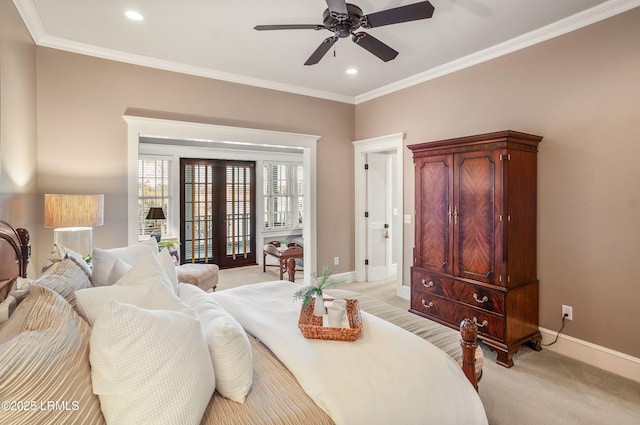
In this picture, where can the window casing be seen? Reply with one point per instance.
(155, 189)
(283, 192)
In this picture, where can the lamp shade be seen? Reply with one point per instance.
(155, 213)
(73, 210)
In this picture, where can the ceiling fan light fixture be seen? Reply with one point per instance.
(344, 19)
(133, 15)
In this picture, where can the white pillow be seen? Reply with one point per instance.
(228, 343)
(120, 268)
(145, 285)
(166, 262)
(130, 253)
(103, 260)
(150, 366)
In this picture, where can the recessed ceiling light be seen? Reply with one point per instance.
(352, 71)
(133, 15)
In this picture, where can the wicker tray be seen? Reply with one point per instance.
(311, 326)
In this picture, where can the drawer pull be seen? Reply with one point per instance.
(484, 323)
(427, 305)
(427, 285)
(482, 301)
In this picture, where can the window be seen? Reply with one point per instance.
(154, 190)
(283, 195)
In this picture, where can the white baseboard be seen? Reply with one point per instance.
(595, 355)
(348, 276)
(602, 357)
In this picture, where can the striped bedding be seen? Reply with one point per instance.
(275, 398)
(45, 321)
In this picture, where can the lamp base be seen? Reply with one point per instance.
(78, 239)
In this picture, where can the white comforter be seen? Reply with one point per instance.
(387, 376)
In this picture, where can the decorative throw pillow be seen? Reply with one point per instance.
(44, 359)
(120, 268)
(56, 255)
(228, 343)
(145, 285)
(166, 262)
(65, 280)
(150, 366)
(60, 253)
(103, 260)
(80, 262)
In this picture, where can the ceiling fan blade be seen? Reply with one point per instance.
(375, 46)
(322, 50)
(337, 7)
(289, 27)
(410, 12)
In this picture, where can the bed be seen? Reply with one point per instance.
(14, 245)
(278, 394)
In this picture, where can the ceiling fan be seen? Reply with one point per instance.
(343, 19)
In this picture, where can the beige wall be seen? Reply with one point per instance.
(17, 121)
(82, 137)
(581, 92)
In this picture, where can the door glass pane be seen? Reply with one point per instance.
(218, 211)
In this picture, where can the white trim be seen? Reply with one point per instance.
(30, 16)
(152, 127)
(392, 142)
(347, 276)
(582, 19)
(595, 355)
(605, 10)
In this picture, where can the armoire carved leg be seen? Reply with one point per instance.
(505, 358)
(536, 342)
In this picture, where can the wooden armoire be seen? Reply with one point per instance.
(475, 237)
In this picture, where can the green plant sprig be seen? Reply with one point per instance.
(306, 293)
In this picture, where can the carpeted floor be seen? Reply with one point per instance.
(543, 388)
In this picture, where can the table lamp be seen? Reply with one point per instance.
(72, 218)
(156, 213)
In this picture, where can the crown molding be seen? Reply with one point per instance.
(587, 17)
(29, 14)
(135, 59)
(579, 20)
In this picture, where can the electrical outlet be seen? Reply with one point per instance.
(336, 261)
(568, 311)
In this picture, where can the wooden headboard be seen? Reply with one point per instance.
(15, 252)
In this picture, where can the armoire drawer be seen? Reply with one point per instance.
(474, 295)
(453, 313)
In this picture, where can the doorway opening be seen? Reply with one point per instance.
(379, 210)
(201, 137)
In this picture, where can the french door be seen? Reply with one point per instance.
(217, 212)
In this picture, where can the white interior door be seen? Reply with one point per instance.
(379, 215)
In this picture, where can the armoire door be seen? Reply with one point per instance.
(434, 213)
(476, 215)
